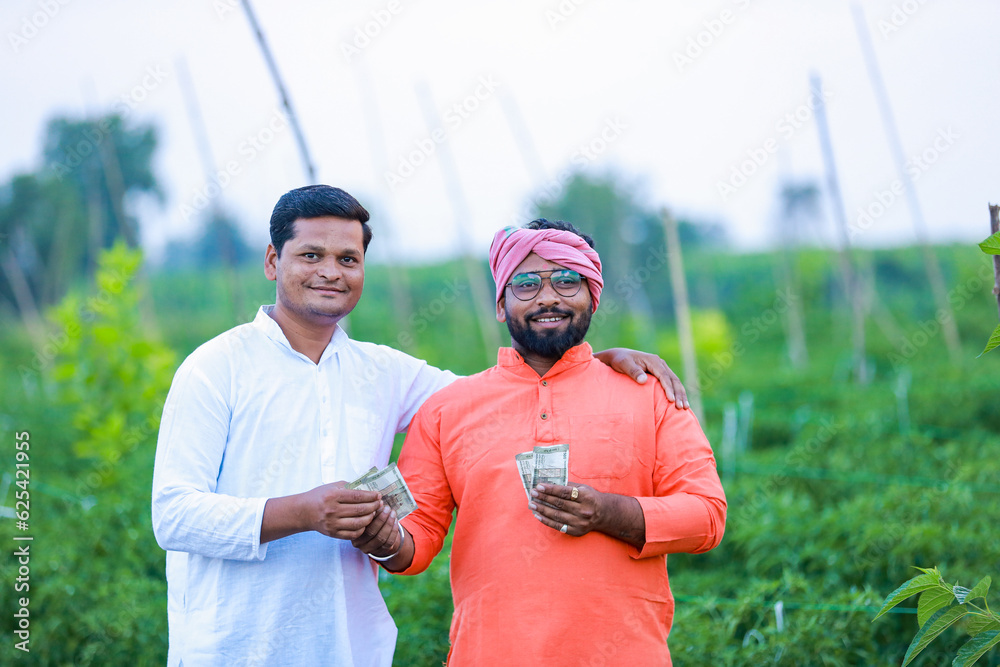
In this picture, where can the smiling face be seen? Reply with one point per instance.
(320, 272)
(548, 324)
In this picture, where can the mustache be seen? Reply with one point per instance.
(545, 312)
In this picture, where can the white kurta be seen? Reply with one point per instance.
(248, 418)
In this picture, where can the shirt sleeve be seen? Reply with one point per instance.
(687, 513)
(421, 464)
(188, 515)
(418, 382)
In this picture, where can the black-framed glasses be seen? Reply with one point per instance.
(526, 286)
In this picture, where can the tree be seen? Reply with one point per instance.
(54, 222)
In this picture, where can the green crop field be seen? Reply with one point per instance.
(835, 488)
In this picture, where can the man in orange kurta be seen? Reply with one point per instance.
(575, 574)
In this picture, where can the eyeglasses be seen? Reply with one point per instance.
(525, 286)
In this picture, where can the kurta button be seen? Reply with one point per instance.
(545, 383)
(545, 415)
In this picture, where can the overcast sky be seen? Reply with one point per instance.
(705, 104)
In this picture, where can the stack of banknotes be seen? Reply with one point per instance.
(390, 483)
(543, 465)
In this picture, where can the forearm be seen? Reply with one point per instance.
(283, 517)
(621, 517)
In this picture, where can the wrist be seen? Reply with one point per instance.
(402, 540)
(603, 508)
(303, 512)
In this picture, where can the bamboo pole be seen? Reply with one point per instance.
(798, 353)
(208, 165)
(481, 294)
(851, 282)
(683, 312)
(116, 191)
(522, 137)
(286, 101)
(994, 228)
(26, 305)
(399, 277)
(797, 203)
(931, 264)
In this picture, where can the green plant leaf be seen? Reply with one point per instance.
(992, 342)
(919, 583)
(991, 246)
(978, 591)
(975, 648)
(935, 625)
(931, 600)
(979, 624)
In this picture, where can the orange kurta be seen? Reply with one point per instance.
(527, 594)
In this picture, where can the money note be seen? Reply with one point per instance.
(361, 480)
(390, 483)
(526, 466)
(551, 465)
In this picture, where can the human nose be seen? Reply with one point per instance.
(329, 269)
(546, 292)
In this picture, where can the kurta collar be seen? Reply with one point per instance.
(264, 323)
(509, 359)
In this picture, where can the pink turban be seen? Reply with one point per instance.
(512, 244)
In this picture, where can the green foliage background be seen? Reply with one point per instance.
(842, 489)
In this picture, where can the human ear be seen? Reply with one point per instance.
(271, 263)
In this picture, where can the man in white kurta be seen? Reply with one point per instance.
(249, 418)
(261, 429)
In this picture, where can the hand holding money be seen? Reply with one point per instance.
(338, 511)
(390, 483)
(382, 536)
(543, 464)
(555, 506)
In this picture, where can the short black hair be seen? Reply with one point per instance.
(542, 223)
(315, 201)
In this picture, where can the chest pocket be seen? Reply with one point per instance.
(601, 446)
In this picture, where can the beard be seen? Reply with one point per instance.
(549, 344)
